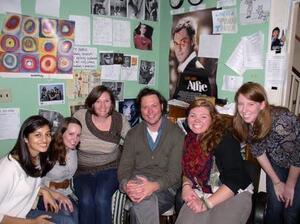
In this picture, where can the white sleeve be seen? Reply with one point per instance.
(7, 176)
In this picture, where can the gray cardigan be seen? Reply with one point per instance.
(162, 165)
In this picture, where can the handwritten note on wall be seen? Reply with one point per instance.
(85, 58)
(224, 21)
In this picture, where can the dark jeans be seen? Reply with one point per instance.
(73, 215)
(94, 192)
(276, 212)
(58, 218)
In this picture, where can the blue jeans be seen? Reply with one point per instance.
(73, 215)
(58, 218)
(276, 212)
(94, 192)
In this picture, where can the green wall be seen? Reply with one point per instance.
(25, 93)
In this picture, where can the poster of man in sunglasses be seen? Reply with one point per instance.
(190, 75)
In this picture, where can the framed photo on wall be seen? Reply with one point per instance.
(53, 93)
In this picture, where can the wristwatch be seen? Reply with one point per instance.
(195, 2)
(175, 4)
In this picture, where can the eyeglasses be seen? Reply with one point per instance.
(182, 43)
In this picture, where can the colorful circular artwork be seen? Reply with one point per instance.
(65, 47)
(10, 61)
(48, 45)
(30, 26)
(64, 63)
(66, 28)
(48, 27)
(12, 24)
(29, 63)
(29, 44)
(10, 43)
(48, 64)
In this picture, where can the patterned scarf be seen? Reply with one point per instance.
(196, 164)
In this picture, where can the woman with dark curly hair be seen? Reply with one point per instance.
(215, 181)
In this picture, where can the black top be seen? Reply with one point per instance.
(231, 164)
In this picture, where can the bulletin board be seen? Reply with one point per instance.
(64, 80)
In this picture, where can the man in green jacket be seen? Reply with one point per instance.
(150, 168)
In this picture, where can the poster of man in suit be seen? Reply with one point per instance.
(191, 75)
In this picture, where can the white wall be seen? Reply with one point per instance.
(279, 17)
(296, 63)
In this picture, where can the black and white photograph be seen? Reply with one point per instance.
(106, 58)
(151, 10)
(54, 117)
(100, 7)
(126, 61)
(53, 93)
(147, 72)
(118, 8)
(135, 9)
(129, 109)
(117, 88)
